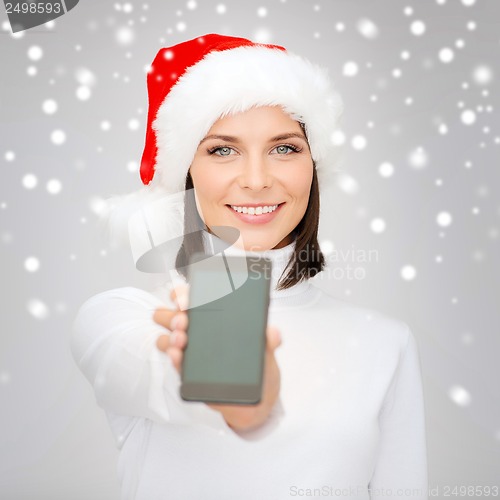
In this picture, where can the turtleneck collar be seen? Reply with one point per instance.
(278, 256)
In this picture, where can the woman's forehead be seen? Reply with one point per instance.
(266, 117)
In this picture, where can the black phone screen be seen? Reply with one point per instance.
(223, 360)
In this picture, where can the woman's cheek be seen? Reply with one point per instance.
(299, 184)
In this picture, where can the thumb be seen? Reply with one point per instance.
(273, 338)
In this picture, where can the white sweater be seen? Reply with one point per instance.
(349, 422)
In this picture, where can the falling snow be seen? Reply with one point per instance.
(38, 309)
(418, 158)
(31, 264)
(417, 28)
(58, 137)
(386, 169)
(367, 28)
(446, 55)
(408, 273)
(482, 75)
(420, 139)
(358, 142)
(83, 93)
(262, 12)
(49, 106)
(459, 395)
(396, 73)
(350, 69)
(125, 35)
(35, 53)
(444, 219)
(468, 117)
(132, 166)
(54, 186)
(443, 129)
(221, 9)
(133, 124)
(97, 205)
(85, 77)
(262, 35)
(347, 184)
(377, 225)
(29, 181)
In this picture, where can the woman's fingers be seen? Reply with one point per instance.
(176, 321)
(173, 345)
(163, 342)
(171, 319)
(178, 339)
(164, 317)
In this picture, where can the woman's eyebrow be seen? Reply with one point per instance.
(227, 138)
(230, 138)
(289, 135)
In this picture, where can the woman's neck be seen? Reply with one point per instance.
(280, 258)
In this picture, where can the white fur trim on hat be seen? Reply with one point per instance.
(231, 81)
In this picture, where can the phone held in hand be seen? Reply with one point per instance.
(223, 361)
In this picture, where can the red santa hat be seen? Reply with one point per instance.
(194, 83)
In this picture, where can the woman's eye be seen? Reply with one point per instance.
(284, 149)
(221, 151)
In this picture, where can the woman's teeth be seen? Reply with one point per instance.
(254, 210)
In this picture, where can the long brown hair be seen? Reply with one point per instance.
(305, 234)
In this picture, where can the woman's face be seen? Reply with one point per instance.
(253, 171)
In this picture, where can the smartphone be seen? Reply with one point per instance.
(223, 361)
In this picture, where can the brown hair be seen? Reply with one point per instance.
(305, 235)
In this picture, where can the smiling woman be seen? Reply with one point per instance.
(247, 129)
(254, 169)
(252, 181)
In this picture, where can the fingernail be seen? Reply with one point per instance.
(172, 338)
(174, 323)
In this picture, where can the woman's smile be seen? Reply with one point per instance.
(256, 213)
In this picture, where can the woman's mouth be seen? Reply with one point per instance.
(255, 214)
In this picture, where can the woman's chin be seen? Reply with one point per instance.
(248, 239)
(256, 245)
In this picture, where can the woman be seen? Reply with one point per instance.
(247, 128)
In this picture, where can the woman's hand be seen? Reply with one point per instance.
(239, 417)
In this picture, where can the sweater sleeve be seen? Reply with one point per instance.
(114, 344)
(401, 464)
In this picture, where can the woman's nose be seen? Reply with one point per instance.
(255, 174)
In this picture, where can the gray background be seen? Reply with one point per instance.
(54, 440)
